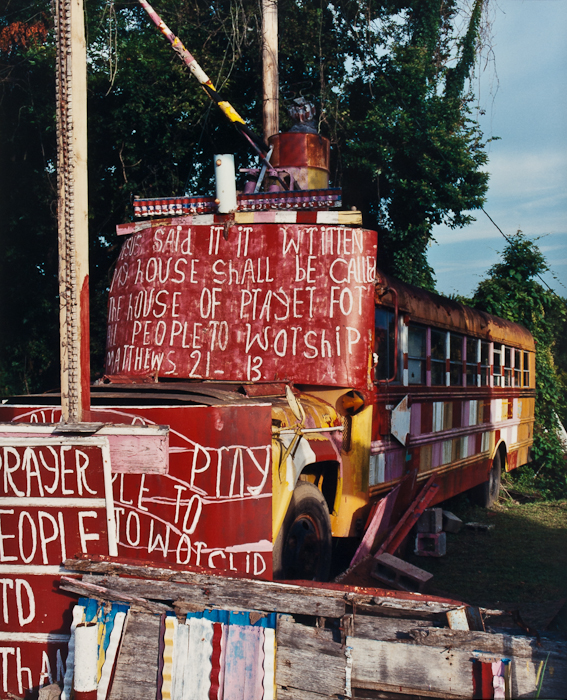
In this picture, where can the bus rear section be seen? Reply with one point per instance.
(453, 395)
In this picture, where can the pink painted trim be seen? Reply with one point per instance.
(380, 522)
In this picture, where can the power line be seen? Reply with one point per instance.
(510, 241)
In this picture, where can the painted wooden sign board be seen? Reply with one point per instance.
(208, 503)
(264, 302)
(55, 501)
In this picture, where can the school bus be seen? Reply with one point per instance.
(280, 323)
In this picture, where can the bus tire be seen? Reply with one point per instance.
(303, 546)
(486, 494)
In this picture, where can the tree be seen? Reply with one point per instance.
(513, 290)
(412, 151)
(389, 79)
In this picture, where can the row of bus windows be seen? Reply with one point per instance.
(455, 360)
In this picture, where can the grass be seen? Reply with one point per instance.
(519, 562)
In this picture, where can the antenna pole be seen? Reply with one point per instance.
(270, 68)
(72, 210)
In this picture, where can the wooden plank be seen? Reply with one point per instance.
(137, 665)
(382, 691)
(385, 628)
(383, 665)
(103, 593)
(291, 694)
(372, 598)
(224, 592)
(447, 671)
(504, 644)
(294, 636)
(307, 670)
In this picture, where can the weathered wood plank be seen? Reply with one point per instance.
(320, 641)
(397, 605)
(103, 593)
(307, 670)
(291, 694)
(385, 628)
(377, 664)
(382, 691)
(224, 592)
(445, 669)
(503, 644)
(396, 600)
(137, 664)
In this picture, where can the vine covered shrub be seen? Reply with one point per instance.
(513, 291)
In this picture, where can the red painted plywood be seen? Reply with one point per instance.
(264, 302)
(212, 508)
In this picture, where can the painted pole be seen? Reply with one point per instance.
(270, 73)
(72, 210)
(255, 141)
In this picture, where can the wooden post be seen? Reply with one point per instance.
(270, 67)
(72, 210)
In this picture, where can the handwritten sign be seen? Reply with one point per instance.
(208, 504)
(262, 302)
(55, 502)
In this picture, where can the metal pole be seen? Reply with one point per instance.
(270, 68)
(72, 210)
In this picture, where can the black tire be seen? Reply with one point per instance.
(303, 546)
(486, 494)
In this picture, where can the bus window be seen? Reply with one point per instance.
(384, 343)
(472, 361)
(507, 366)
(517, 368)
(526, 369)
(484, 363)
(497, 365)
(416, 354)
(456, 360)
(438, 355)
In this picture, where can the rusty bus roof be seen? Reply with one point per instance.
(435, 310)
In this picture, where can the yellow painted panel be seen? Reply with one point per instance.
(317, 179)
(244, 217)
(425, 458)
(350, 218)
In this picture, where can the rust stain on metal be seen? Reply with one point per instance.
(428, 308)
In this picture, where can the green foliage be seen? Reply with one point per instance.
(413, 154)
(513, 291)
(389, 78)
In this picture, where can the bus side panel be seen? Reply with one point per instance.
(454, 438)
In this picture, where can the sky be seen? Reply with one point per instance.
(524, 96)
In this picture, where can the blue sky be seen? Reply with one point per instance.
(524, 94)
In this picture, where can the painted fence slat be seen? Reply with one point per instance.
(200, 652)
(168, 655)
(78, 615)
(181, 662)
(269, 664)
(244, 661)
(216, 680)
(111, 652)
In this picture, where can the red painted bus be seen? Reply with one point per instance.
(226, 312)
(265, 386)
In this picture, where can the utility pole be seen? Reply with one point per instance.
(72, 210)
(270, 68)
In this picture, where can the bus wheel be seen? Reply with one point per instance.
(303, 547)
(486, 494)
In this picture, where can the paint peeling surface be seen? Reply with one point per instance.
(264, 303)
